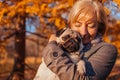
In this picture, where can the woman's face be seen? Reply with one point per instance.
(86, 26)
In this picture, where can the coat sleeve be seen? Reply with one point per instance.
(58, 62)
(103, 61)
(51, 52)
(44, 73)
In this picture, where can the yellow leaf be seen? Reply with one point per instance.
(118, 22)
(117, 1)
(59, 23)
(2, 12)
(28, 9)
(54, 12)
(70, 2)
(103, 1)
(12, 13)
(50, 19)
(107, 10)
(43, 7)
(46, 1)
(0, 3)
(106, 39)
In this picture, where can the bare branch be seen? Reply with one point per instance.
(37, 34)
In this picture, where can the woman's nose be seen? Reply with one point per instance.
(84, 30)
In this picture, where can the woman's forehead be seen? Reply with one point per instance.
(86, 17)
(87, 14)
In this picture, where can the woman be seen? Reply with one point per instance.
(88, 18)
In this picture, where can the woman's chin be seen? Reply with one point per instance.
(86, 42)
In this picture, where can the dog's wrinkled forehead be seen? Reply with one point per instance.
(67, 32)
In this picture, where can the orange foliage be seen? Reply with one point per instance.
(103, 1)
(107, 10)
(113, 35)
(3, 53)
(59, 23)
(70, 2)
(117, 1)
(37, 7)
(46, 13)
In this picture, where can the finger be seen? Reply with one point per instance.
(84, 69)
(80, 70)
(81, 67)
(52, 38)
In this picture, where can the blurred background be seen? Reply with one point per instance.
(26, 25)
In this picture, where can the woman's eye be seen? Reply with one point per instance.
(91, 25)
(77, 24)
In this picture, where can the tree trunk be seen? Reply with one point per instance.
(19, 66)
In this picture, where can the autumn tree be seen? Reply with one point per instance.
(13, 16)
(52, 15)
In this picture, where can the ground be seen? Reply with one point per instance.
(34, 62)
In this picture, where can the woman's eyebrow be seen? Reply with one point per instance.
(78, 22)
(91, 21)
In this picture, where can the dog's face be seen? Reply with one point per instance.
(70, 40)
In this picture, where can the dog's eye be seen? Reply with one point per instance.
(64, 38)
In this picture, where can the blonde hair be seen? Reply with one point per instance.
(92, 8)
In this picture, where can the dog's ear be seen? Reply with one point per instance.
(59, 32)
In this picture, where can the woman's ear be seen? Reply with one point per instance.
(59, 32)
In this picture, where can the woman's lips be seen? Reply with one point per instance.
(86, 39)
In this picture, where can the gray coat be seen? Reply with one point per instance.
(98, 65)
(103, 61)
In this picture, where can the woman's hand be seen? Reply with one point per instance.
(53, 37)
